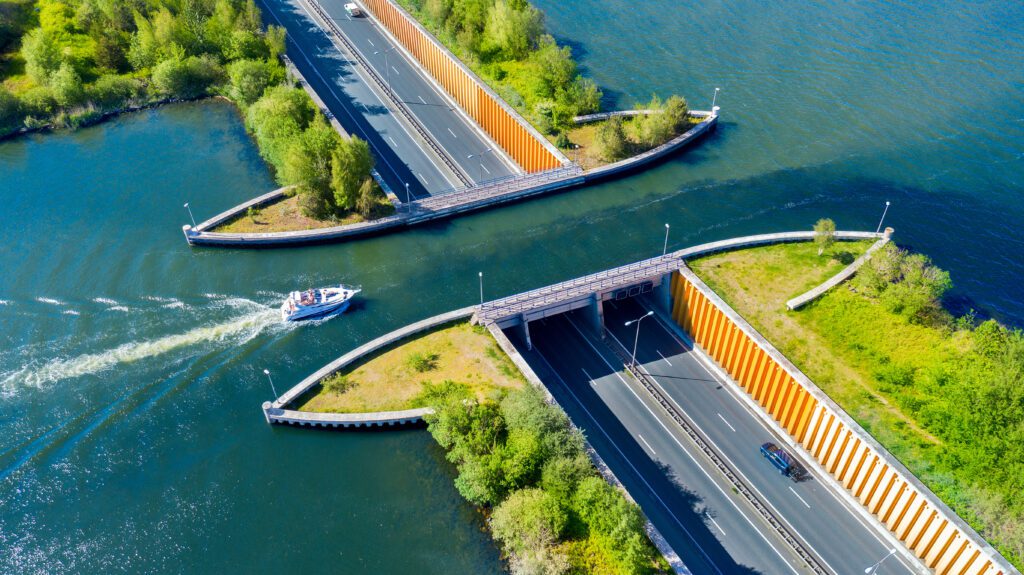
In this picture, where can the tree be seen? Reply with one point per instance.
(556, 68)
(276, 119)
(67, 86)
(12, 114)
(250, 78)
(824, 234)
(350, 166)
(276, 41)
(42, 55)
(611, 140)
(113, 91)
(513, 31)
(307, 164)
(527, 514)
(370, 195)
(189, 78)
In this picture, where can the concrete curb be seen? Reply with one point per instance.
(228, 214)
(588, 118)
(339, 233)
(811, 295)
(275, 411)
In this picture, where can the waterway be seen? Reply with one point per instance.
(131, 365)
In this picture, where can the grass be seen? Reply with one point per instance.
(286, 216)
(585, 151)
(892, 376)
(393, 379)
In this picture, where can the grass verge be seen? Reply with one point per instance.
(285, 216)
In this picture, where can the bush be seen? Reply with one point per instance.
(250, 78)
(12, 112)
(277, 119)
(112, 91)
(422, 362)
(307, 165)
(42, 55)
(38, 102)
(611, 140)
(66, 85)
(188, 78)
(351, 163)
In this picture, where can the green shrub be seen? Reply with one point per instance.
(610, 140)
(187, 78)
(67, 87)
(12, 112)
(250, 78)
(112, 92)
(38, 102)
(338, 384)
(422, 362)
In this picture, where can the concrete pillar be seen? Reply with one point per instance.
(266, 410)
(663, 293)
(595, 315)
(525, 327)
(888, 233)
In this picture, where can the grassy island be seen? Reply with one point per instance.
(505, 43)
(519, 459)
(944, 394)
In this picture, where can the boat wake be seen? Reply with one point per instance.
(236, 331)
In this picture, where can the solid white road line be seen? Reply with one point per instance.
(800, 498)
(679, 443)
(630, 464)
(706, 514)
(647, 444)
(590, 380)
(371, 42)
(392, 140)
(664, 358)
(485, 169)
(421, 98)
(425, 180)
(395, 70)
(726, 422)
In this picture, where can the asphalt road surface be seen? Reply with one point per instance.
(712, 528)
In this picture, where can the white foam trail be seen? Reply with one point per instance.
(174, 305)
(49, 300)
(157, 298)
(240, 330)
(104, 300)
(117, 308)
(70, 312)
(5, 302)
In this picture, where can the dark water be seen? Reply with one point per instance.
(130, 365)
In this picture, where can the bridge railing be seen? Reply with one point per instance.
(495, 188)
(600, 281)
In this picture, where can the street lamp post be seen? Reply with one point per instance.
(481, 171)
(190, 216)
(874, 568)
(714, 99)
(636, 340)
(387, 68)
(408, 198)
(267, 372)
(481, 276)
(664, 250)
(885, 211)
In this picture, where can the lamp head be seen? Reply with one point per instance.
(266, 371)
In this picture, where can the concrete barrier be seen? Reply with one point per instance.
(710, 120)
(617, 114)
(845, 274)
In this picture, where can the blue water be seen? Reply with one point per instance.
(131, 365)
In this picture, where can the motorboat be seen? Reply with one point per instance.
(312, 303)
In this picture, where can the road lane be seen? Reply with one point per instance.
(838, 535)
(452, 130)
(332, 74)
(710, 527)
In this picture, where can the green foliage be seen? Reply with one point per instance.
(371, 199)
(250, 78)
(422, 362)
(338, 384)
(610, 140)
(42, 55)
(307, 164)
(663, 125)
(111, 91)
(351, 164)
(521, 456)
(824, 234)
(276, 119)
(191, 77)
(906, 284)
(67, 86)
(12, 113)
(513, 31)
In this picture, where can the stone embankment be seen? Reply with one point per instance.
(844, 274)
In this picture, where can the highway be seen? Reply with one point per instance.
(362, 110)
(454, 131)
(646, 448)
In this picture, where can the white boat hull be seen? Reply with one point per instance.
(317, 303)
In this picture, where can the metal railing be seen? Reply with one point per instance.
(497, 188)
(602, 281)
(386, 88)
(691, 431)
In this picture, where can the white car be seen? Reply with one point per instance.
(352, 10)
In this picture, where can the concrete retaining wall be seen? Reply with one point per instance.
(819, 430)
(226, 215)
(845, 274)
(499, 120)
(605, 115)
(710, 120)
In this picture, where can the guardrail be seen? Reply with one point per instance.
(724, 468)
(496, 189)
(333, 30)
